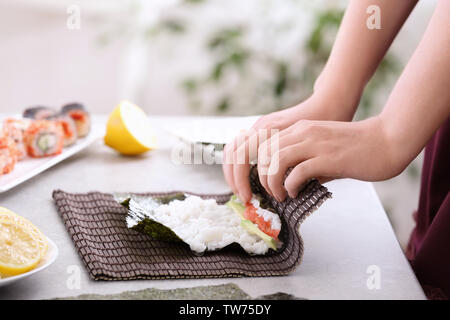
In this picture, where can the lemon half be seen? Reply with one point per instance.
(128, 130)
(19, 250)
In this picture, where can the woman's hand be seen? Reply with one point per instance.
(236, 162)
(244, 149)
(326, 150)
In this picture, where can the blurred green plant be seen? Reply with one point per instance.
(231, 53)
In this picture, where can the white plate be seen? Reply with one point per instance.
(30, 167)
(208, 133)
(50, 257)
(211, 130)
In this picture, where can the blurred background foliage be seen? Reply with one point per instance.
(246, 73)
(288, 83)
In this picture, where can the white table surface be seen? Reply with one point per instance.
(342, 239)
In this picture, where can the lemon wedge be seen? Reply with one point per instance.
(8, 216)
(19, 250)
(5, 210)
(128, 130)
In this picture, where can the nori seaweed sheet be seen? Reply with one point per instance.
(141, 216)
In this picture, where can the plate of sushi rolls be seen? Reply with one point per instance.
(40, 138)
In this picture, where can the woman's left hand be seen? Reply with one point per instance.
(326, 150)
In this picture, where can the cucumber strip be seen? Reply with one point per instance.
(236, 205)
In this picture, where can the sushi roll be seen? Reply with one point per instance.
(69, 128)
(39, 113)
(8, 154)
(15, 128)
(81, 117)
(44, 138)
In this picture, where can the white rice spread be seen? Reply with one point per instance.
(206, 225)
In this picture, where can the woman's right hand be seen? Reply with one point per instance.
(243, 150)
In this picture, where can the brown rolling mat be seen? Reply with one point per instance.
(111, 251)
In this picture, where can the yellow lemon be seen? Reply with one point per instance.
(128, 130)
(5, 210)
(19, 250)
(8, 216)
